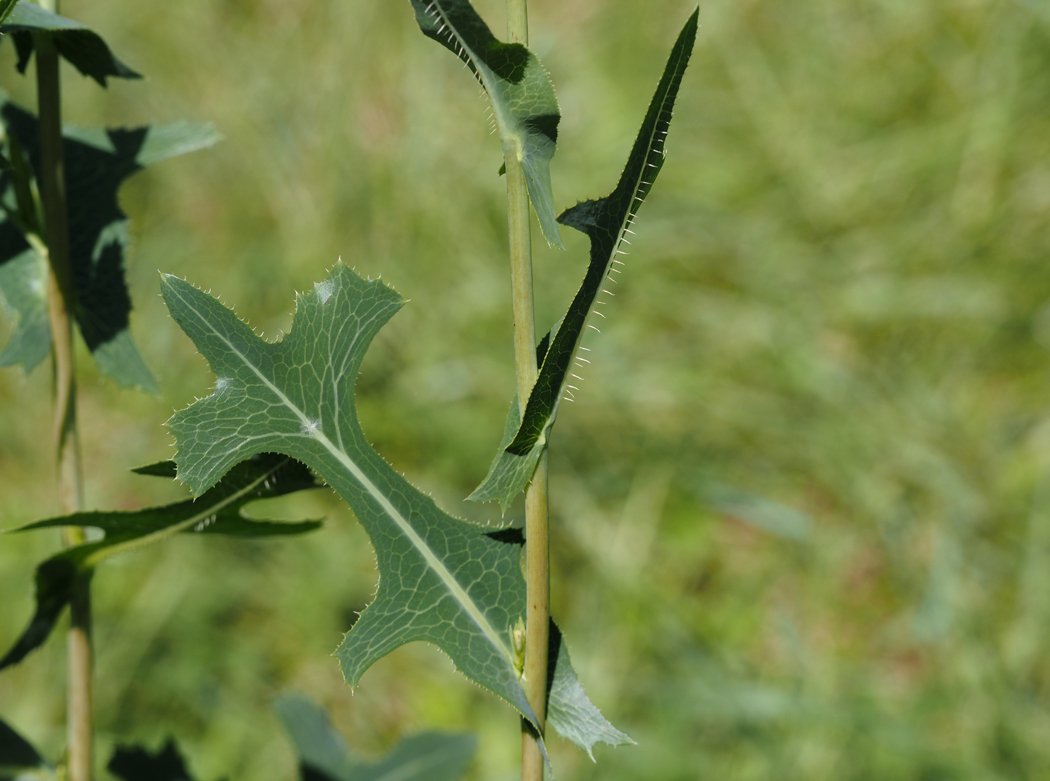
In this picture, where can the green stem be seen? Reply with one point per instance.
(67, 449)
(537, 546)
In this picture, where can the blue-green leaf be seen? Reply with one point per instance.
(442, 580)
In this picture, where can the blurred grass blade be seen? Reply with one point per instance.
(97, 164)
(83, 48)
(324, 756)
(523, 101)
(218, 511)
(442, 580)
(606, 222)
(134, 763)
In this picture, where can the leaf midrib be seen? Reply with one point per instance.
(431, 559)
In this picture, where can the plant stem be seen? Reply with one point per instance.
(537, 546)
(67, 446)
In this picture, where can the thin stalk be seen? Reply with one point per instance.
(537, 545)
(66, 439)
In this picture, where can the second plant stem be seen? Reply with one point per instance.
(67, 451)
(537, 546)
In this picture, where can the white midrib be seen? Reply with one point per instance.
(431, 559)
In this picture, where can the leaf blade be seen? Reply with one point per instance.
(324, 756)
(82, 47)
(606, 222)
(442, 580)
(216, 512)
(97, 164)
(524, 105)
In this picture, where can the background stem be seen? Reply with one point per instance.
(537, 546)
(67, 449)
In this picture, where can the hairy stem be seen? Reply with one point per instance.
(67, 450)
(537, 546)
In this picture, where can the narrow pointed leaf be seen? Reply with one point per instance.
(324, 756)
(218, 511)
(606, 221)
(82, 47)
(523, 101)
(135, 763)
(97, 163)
(442, 580)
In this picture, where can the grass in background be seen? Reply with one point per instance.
(817, 546)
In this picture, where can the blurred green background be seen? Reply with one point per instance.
(801, 509)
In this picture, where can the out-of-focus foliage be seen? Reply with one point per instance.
(811, 447)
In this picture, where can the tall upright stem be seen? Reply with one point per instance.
(537, 546)
(67, 447)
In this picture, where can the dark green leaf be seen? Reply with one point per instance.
(97, 163)
(218, 511)
(6, 7)
(442, 580)
(523, 101)
(323, 756)
(134, 763)
(18, 758)
(607, 222)
(83, 48)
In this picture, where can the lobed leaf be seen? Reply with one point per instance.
(81, 47)
(523, 101)
(97, 163)
(442, 580)
(607, 222)
(324, 756)
(218, 511)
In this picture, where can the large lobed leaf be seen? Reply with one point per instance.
(442, 580)
(83, 48)
(324, 756)
(97, 163)
(523, 100)
(218, 511)
(607, 222)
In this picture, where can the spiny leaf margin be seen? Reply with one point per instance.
(523, 101)
(442, 580)
(606, 221)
